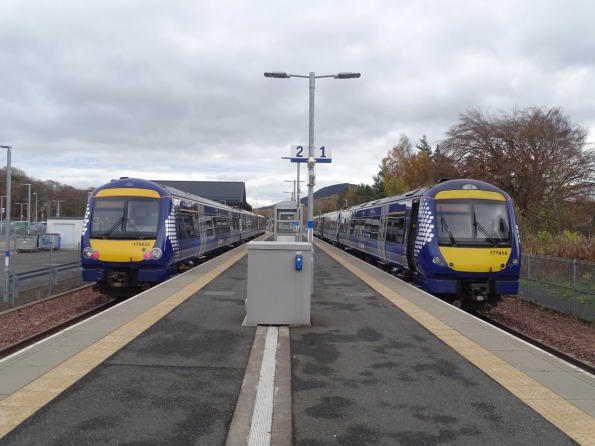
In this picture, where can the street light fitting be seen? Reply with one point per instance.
(311, 160)
(277, 74)
(347, 75)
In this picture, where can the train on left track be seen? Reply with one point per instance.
(137, 233)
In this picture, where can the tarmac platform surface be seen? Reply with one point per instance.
(382, 364)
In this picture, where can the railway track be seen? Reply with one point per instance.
(20, 345)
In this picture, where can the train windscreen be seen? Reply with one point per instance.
(124, 217)
(472, 222)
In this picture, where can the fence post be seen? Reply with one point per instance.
(574, 288)
(50, 268)
(528, 275)
(14, 272)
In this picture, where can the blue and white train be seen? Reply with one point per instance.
(457, 239)
(137, 233)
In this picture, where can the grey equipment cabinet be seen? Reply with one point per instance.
(279, 283)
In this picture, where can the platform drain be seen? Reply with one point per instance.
(218, 293)
(359, 294)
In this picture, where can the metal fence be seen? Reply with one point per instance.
(564, 285)
(32, 279)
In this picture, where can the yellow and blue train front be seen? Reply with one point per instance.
(127, 239)
(467, 244)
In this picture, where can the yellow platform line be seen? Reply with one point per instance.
(17, 407)
(571, 420)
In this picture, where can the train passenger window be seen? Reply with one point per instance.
(222, 225)
(186, 226)
(390, 235)
(375, 224)
(400, 231)
(208, 222)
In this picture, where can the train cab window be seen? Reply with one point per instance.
(124, 217)
(477, 222)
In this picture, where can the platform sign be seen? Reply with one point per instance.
(299, 154)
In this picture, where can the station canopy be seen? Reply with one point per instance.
(231, 193)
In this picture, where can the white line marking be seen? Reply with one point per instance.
(262, 417)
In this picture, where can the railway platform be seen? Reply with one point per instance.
(383, 363)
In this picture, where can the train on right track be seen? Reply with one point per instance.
(457, 239)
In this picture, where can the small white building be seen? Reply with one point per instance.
(69, 228)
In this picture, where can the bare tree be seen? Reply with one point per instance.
(537, 155)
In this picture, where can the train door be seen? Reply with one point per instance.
(347, 227)
(202, 231)
(382, 233)
(411, 234)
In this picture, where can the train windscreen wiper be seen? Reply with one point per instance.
(481, 228)
(445, 226)
(122, 220)
(112, 229)
(140, 234)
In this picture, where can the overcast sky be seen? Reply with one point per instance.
(91, 91)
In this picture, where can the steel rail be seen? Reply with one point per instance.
(20, 345)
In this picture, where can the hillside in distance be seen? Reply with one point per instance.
(325, 192)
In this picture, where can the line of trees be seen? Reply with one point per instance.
(73, 202)
(537, 155)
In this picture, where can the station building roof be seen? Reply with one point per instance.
(231, 193)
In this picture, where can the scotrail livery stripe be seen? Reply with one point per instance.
(470, 194)
(124, 192)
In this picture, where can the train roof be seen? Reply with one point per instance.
(430, 191)
(163, 191)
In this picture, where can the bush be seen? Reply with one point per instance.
(569, 245)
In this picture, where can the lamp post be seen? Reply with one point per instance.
(294, 195)
(21, 210)
(7, 255)
(2, 197)
(28, 205)
(311, 161)
(62, 201)
(35, 193)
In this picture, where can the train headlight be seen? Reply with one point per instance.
(154, 253)
(515, 261)
(438, 261)
(90, 253)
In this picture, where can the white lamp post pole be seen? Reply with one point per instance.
(8, 204)
(311, 161)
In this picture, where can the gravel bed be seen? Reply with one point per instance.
(22, 323)
(558, 330)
